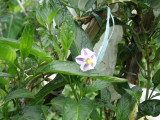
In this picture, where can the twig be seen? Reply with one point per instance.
(23, 9)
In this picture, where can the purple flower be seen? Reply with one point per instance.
(87, 59)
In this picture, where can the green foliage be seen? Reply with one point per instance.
(36, 50)
(81, 41)
(126, 103)
(67, 35)
(7, 53)
(45, 14)
(2, 74)
(32, 113)
(58, 82)
(96, 85)
(64, 67)
(58, 103)
(77, 111)
(19, 93)
(26, 40)
(89, 4)
(39, 78)
(149, 107)
(12, 25)
(156, 78)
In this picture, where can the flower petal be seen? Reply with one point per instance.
(86, 52)
(80, 59)
(94, 60)
(85, 67)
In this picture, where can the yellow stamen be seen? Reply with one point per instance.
(88, 61)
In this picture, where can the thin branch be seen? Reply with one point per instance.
(23, 9)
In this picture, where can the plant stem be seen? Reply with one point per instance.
(151, 93)
(73, 90)
(72, 87)
(148, 61)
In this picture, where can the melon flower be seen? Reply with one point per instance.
(87, 59)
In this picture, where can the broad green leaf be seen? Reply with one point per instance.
(126, 104)
(19, 93)
(13, 24)
(111, 107)
(89, 4)
(54, 84)
(98, 18)
(58, 103)
(32, 113)
(7, 53)
(105, 95)
(42, 13)
(96, 85)
(154, 4)
(26, 41)
(81, 41)
(72, 68)
(67, 35)
(119, 87)
(149, 107)
(132, 94)
(3, 83)
(124, 107)
(2, 74)
(61, 14)
(95, 115)
(156, 78)
(36, 50)
(73, 110)
(51, 16)
(19, 117)
(57, 49)
(74, 3)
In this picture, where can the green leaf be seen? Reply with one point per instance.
(19, 93)
(42, 13)
(154, 4)
(61, 14)
(95, 115)
(96, 85)
(77, 111)
(119, 87)
(36, 50)
(58, 103)
(13, 24)
(7, 53)
(51, 15)
(3, 83)
(54, 84)
(33, 113)
(132, 94)
(89, 4)
(157, 94)
(67, 34)
(26, 41)
(156, 78)
(99, 20)
(74, 3)
(2, 74)
(149, 107)
(72, 68)
(105, 95)
(124, 107)
(127, 103)
(81, 41)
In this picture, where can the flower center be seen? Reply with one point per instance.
(88, 61)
